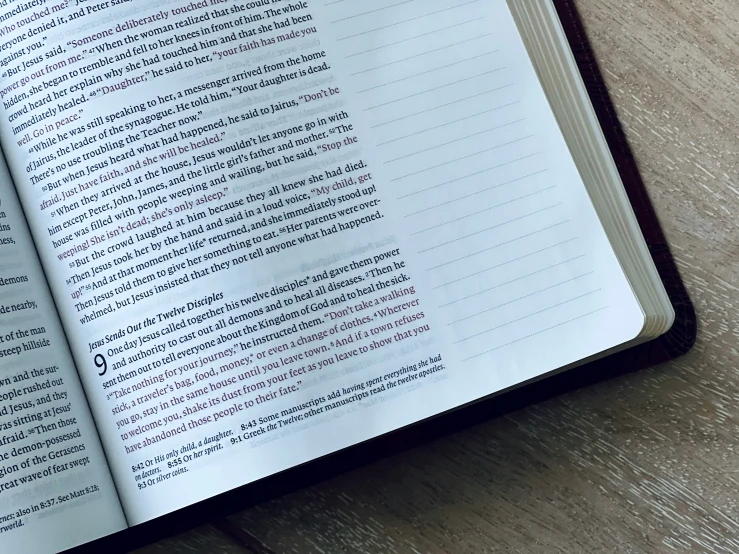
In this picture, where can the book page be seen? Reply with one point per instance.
(277, 229)
(56, 491)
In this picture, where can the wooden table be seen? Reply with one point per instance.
(648, 462)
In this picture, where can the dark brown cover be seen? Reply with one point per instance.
(678, 341)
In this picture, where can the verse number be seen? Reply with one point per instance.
(101, 364)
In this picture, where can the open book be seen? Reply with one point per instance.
(239, 236)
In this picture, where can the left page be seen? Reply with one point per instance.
(56, 491)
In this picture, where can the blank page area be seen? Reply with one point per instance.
(482, 185)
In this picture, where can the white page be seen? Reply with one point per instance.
(55, 488)
(485, 266)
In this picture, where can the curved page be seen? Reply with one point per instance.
(55, 488)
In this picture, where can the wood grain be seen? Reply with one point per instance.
(644, 463)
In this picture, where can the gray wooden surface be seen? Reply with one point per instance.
(645, 463)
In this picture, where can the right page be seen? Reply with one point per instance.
(277, 229)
